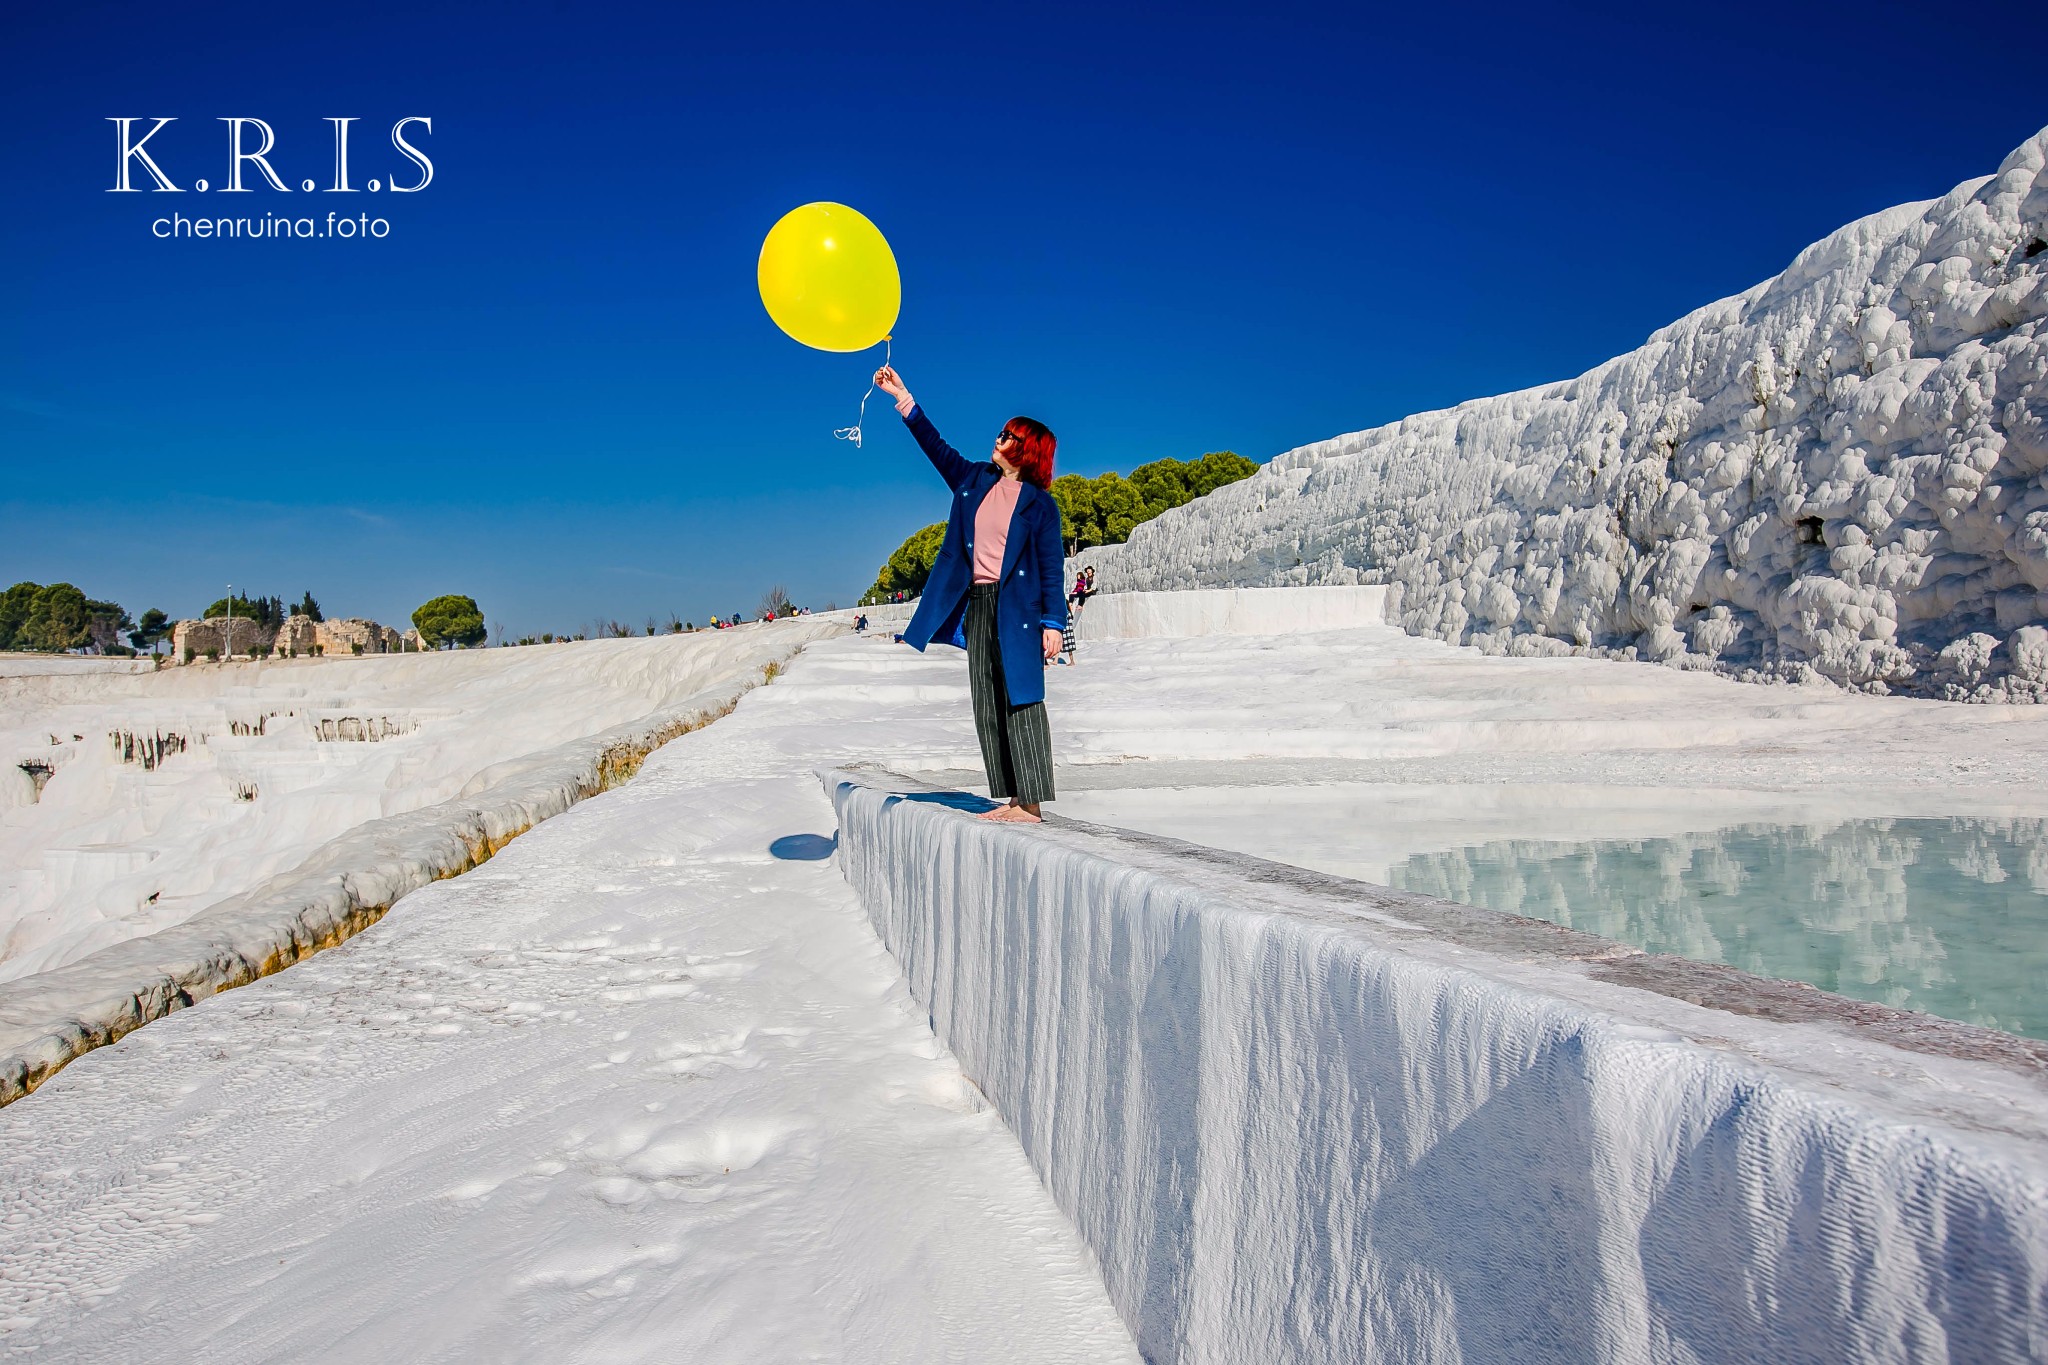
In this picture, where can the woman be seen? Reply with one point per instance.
(1000, 580)
(1084, 587)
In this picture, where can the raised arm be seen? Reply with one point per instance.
(954, 469)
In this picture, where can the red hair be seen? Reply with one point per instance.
(1032, 451)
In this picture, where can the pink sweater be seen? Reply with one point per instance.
(992, 529)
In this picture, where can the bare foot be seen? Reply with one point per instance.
(1010, 815)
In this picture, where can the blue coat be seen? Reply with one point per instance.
(1031, 595)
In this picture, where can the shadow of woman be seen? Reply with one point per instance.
(807, 848)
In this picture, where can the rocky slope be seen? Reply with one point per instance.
(1839, 473)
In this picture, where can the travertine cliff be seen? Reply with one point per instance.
(1839, 473)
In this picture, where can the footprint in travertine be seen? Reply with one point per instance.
(673, 983)
(479, 1187)
(702, 1056)
(722, 971)
(945, 1090)
(619, 1190)
(613, 1142)
(654, 1150)
(651, 990)
(567, 950)
(598, 1267)
(717, 1150)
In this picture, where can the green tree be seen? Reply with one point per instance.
(14, 608)
(308, 607)
(58, 619)
(1101, 511)
(450, 620)
(1105, 510)
(1217, 468)
(909, 567)
(153, 627)
(245, 608)
(104, 622)
(1098, 511)
(267, 612)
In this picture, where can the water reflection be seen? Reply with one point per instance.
(1946, 916)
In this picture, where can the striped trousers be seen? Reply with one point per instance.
(1016, 741)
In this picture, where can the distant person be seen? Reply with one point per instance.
(997, 587)
(1084, 587)
(860, 624)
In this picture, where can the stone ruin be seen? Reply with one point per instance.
(299, 635)
(302, 633)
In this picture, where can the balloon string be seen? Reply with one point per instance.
(852, 433)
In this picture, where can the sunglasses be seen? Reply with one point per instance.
(1007, 437)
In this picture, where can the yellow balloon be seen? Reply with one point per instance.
(829, 279)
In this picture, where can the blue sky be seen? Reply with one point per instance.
(1166, 231)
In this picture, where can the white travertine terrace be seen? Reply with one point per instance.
(1837, 473)
(1299, 1118)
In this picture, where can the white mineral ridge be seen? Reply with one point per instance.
(35, 665)
(257, 766)
(642, 1087)
(1838, 473)
(1293, 1131)
(646, 1086)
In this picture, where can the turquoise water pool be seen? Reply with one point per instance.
(1949, 916)
(1946, 913)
